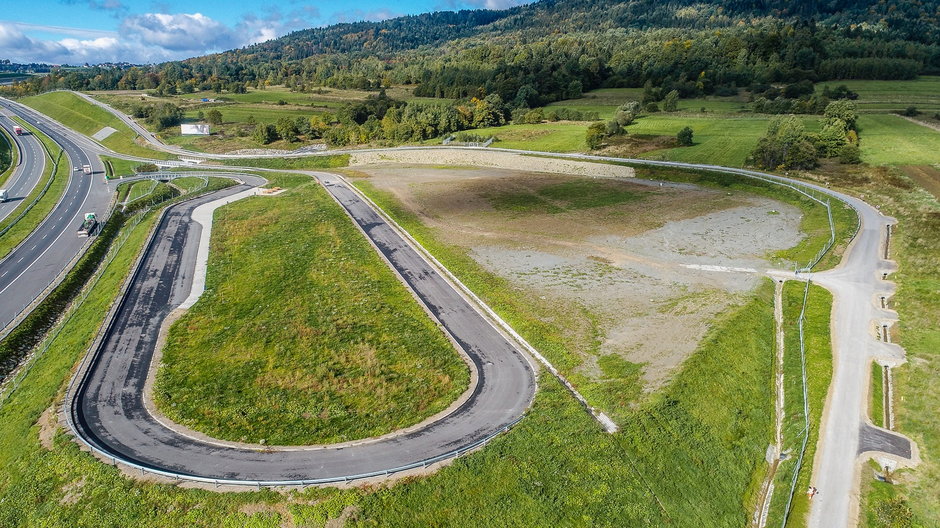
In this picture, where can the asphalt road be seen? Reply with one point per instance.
(28, 172)
(28, 270)
(108, 412)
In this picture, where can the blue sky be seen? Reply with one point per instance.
(94, 31)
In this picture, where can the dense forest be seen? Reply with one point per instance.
(555, 49)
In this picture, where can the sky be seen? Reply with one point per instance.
(151, 31)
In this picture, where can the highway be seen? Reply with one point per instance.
(36, 263)
(130, 433)
(28, 172)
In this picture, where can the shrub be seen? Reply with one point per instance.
(685, 137)
(595, 135)
(850, 154)
(146, 167)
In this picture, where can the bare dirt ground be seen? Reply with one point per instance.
(500, 160)
(633, 279)
(926, 176)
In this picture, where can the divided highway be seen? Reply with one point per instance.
(107, 408)
(32, 266)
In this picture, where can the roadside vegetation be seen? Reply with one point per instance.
(8, 157)
(876, 409)
(57, 179)
(330, 346)
(819, 375)
(86, 118)
(306, 162)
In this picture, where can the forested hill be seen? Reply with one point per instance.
(554, 49)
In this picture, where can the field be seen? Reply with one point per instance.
(332, 347)
(891, 140)
(86, 118)
(25, 226)
(308, 162)
(606, 100)
(562, 136)
(577, 265)
(889, 96)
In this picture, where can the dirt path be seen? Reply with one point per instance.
(774, 451)
(921, 123)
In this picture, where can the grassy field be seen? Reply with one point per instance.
(60, 179)
(891, 140)
(819, 375)
(117, 168)
(876, 409)
(880, 96)
(563, 136)
(140, 189)
(606, 100)
(333, 349)
(334, 161)
(86, 118)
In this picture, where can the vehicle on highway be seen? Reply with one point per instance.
(18, 130)
(4, 195)
(88, 225)
(86, 169)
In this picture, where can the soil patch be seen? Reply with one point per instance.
(926, 176)
(48, 424)
(612, 263)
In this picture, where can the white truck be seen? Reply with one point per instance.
(88, 226)
(18, 130)
(86, 169)
(4, 195)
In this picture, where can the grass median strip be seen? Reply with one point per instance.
(333, 161)
(8, 156)
(20, 228)
(304, 334)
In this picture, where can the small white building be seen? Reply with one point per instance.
(194, 130)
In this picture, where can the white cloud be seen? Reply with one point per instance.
(495, 4)
(146, 38)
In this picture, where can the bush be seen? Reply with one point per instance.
(685, 137)
(146, 167)
(214, 117)
(595, 135)
(910, 111)
(850, 155)
(652, 107)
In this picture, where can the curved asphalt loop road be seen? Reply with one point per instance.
(108, 412)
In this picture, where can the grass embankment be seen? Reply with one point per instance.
(876, 409)
(814, 224)
(117, 167)
(86, 118)
(819, 374)
(891, 140)
(60, 180)
(8, 156)
(334, 161)
(555, 468)
(330, 346)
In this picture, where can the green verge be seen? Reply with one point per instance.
(819, 375)
(329, 345)
(22, 229)
(117, 167)
(307, 162)
(682, 460)
(876, 409)
(86, 118)
(916, 248)
(8, 156)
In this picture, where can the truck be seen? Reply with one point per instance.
(4, 196)
(88, 225)
(86, 169)
(18, 130)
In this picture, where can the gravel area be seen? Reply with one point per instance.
(500, 160)
(642, 279)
